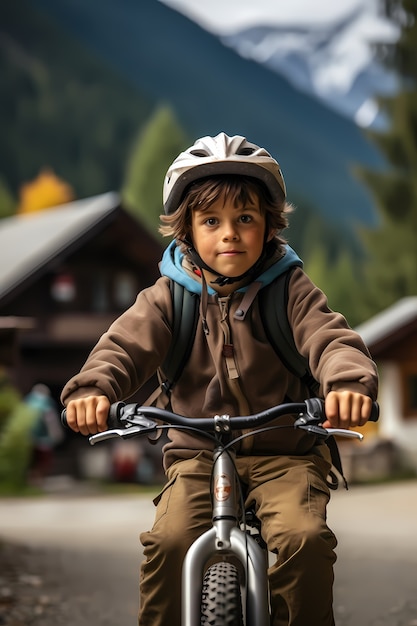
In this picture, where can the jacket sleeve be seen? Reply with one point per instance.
(337, 355)
(130, 352)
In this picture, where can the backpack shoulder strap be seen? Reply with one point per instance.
(273, 307)
(185, 318)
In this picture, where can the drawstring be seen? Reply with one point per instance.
(204, 304)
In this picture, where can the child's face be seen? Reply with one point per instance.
(230, 240)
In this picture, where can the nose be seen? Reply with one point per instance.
(230, 232)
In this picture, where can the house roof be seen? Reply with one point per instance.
(29, 241)
(390, 323)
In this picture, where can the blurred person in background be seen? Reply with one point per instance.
(46, 432)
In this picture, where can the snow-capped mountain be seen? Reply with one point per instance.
(172, 59)
(322, 48)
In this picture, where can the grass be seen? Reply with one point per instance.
(98, 487)
(11, 490)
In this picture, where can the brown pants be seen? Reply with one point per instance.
(291, 496)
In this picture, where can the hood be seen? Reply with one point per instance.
(171, 266)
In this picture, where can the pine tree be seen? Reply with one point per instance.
(155, 148)
(391, 270)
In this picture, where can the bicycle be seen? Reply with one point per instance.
(232, 590)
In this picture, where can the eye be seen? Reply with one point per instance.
(211, 221)
(245, 219)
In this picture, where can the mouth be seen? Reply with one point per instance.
(230, 252)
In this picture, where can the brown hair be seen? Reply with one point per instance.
(238, 190)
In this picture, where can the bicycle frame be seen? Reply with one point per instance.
(226, 539)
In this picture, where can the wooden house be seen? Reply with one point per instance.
(65, 274)
(392, 340)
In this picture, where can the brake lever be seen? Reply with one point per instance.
(344, 432)
(113, 433)
(140, 426)
(314, 429)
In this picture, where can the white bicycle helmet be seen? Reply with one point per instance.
(222, 154)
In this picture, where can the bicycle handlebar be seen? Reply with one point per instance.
(129, 420)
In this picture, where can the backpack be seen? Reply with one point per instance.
(273, 307)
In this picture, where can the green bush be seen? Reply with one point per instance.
(16, 448)
(9, 398)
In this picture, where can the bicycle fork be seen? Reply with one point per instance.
(225, 539)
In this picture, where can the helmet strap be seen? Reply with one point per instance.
(222, 280)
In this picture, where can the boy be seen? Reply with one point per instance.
(225, 206)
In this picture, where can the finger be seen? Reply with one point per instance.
(331, 407)
(366, 410)
(83, 418)
(345, 410)
(102, 413)
(71, 415)
(350, 410)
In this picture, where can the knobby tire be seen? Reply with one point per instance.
(221, 602)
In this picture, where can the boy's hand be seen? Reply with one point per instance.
(88, 416)
(347, 409)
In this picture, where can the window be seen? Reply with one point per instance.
(124, 290)
(412, 392)
(409, 386)
(99, 293)
(63, 288)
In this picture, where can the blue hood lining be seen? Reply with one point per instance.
(171, 266)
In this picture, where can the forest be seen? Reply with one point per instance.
(72, 127)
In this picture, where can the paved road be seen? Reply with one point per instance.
(376, 573)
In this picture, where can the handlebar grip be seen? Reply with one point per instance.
(113, 419)
(115, 413)
(374, 412)
(64, 418)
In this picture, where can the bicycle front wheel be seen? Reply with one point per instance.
(221, 602)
